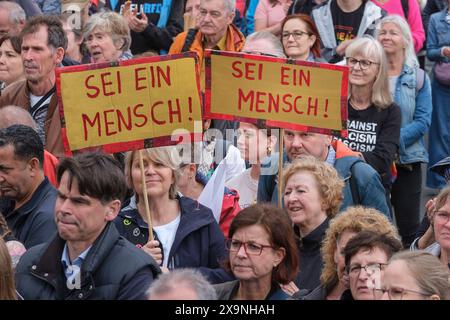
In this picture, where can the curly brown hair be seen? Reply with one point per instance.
(328, 180)
(353, 219)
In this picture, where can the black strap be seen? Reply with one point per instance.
(189, 39)
(247, 3)
(36, 106)
(405, 7)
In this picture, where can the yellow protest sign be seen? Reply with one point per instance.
(125, 105)
(289, 94)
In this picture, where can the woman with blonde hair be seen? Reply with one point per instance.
(185, 232)
(373, 119)
(7, 285)
(312, 196)
(342, 228)
(415, 275)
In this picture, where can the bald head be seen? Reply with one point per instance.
(11, 115)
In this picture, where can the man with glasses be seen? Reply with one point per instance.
(341, 21)
(366, 256)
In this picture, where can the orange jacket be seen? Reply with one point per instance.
(235, 42)
(342, 150)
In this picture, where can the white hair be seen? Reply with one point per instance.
(371, 49)
(230, 5)
(190, 278)
(400, 22)
(16, 12)
(275, 47)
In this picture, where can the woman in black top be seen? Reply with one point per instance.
(373, 118)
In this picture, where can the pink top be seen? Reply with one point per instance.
(414, 18)
(272, 15)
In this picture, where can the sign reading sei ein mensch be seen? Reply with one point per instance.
(287, 93)
(130, 104)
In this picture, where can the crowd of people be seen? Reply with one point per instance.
(301, 215)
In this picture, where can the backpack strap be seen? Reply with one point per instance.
(189, 39)
(405, 7)
(420, 79)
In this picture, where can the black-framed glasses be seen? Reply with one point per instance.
(396, 293)
(251, 248)
(296, 34)
(441, 217)
(371, 268)
(363, 63)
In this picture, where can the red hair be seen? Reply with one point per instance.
(312, 29)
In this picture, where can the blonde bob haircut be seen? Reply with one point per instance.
(371, 49)
(167, 156)
(353, 219)
(329, 184)
(111, 23)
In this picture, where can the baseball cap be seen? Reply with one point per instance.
(73, 5)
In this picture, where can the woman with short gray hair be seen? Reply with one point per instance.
(107, 37)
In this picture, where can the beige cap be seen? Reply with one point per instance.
(73, 5)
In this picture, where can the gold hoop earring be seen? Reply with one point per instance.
(269, 151)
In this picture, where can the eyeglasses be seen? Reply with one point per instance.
(296, 34)
(251, 248)
(363, 63)
(396, 293)
(373, 268)
(441, 217)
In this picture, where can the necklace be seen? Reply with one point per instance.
(356, 106)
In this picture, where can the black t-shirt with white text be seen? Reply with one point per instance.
(346, 24)
(376, 134)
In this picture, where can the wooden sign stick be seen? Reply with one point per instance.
(144, 192)
(280, 169)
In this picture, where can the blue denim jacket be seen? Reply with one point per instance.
(438, 36)
(416, 115)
